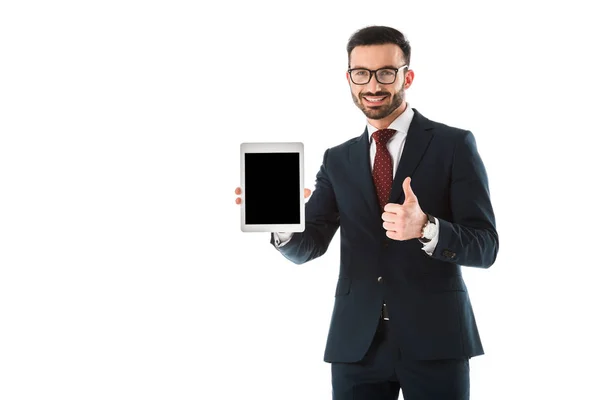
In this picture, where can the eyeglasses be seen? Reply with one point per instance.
(385, 76)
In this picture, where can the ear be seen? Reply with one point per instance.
(347, 76)
(408, 79)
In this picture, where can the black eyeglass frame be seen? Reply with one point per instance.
(374, 72)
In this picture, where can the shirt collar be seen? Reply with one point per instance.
(400, 124)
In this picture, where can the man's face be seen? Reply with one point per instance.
(377, 100)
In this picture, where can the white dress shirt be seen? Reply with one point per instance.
(395, 146)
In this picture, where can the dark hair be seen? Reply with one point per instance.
(379, 35)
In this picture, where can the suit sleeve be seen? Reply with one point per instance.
(470, 239)
(322, 222)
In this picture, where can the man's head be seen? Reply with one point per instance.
(379, 95)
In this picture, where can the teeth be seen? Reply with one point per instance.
(374, 99)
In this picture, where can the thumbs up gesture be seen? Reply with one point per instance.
(404, 221)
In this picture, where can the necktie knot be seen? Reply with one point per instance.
(382, 136)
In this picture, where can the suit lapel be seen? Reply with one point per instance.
(417, 139)
(360, 164)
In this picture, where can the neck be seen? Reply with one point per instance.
(384, 123)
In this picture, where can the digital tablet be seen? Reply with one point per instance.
(272, 183)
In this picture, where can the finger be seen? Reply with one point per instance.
(306, 193)
(398, 214)
(238, 200)
(408, 192)
(387, 216)
(394, 235)
(238, 190)
(389, 226)
(392, 207)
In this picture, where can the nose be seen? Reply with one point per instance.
(373, 86)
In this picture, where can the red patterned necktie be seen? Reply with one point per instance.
(382, 166)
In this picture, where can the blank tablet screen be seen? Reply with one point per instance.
(272, 184)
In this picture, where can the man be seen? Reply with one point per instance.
(411, 198)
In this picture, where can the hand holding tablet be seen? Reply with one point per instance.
(272, 192)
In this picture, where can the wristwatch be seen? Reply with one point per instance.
(428, 231)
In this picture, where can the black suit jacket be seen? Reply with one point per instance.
(428, 302)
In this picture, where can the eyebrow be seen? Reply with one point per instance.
(385, 66)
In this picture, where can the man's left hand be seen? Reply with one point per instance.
(404, 221)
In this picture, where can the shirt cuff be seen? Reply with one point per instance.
(282, 238)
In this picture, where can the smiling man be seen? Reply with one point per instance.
(412, 202)
(380, 99)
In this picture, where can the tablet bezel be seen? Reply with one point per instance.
(271, 147)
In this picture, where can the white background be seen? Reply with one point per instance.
(123, 270)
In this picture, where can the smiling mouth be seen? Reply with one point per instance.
(374, 100)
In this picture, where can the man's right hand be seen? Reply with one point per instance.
(238, 191)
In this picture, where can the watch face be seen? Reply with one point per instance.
(428, 231)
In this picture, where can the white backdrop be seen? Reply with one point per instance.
(123, 271)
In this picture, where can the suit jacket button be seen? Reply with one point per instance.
(380, 279)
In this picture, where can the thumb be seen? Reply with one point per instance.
(408, 192)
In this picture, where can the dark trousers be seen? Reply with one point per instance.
(383, 372)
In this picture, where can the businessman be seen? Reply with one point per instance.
(411, 199)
